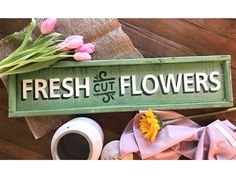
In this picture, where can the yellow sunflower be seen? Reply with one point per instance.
(150, 125)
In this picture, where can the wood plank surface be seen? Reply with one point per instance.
(153, 38)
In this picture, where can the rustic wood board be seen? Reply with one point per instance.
(122, 85)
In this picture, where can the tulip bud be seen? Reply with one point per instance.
(87, 48)
(62, 46)
(74, 43)
(80, 56)
(48, 25)
(69, 38)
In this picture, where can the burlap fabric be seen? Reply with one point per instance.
(111, 43)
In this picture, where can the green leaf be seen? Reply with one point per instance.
(48, 39)
(21, 57)
(31, 67)
(28, 34)
(25, 42)
(32, 56)
(37, 60)
(14, 36)
(39, 50)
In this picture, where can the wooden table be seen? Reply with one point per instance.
(153, 38)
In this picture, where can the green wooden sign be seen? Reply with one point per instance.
(122, 85)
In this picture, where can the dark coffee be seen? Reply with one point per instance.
(73, 146)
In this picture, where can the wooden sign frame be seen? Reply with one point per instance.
(120, 76)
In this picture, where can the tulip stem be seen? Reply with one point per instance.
(66, 56)
(59, 40)
(38, 37)
(168, 122)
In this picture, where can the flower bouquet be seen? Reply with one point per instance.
(48, 48)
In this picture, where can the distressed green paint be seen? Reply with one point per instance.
(115, 68)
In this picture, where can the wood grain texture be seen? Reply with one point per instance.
(181, 37)
(153, 38)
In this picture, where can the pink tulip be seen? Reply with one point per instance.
(74, 43)
(80, 56)
(62, 46)
(87, 48)
(48, 25)
(69, 38)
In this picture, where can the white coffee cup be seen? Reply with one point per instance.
(80, 138)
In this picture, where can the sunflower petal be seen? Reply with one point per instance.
(149, 125)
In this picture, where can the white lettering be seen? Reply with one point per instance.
(155, 84)
(25, 88)
(54, 88)
(134, 87)
(188, 82)
(67, 87)
(201, 79)
(84, 87)
(170, 81)
(214, 81)
(41, 88)
(124, 85)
